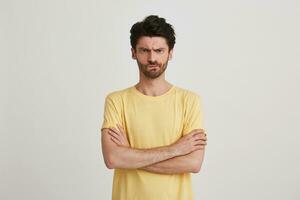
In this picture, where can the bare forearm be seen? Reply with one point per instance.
(125, 157)
(176, 165)
(190, 163)
(118, 154)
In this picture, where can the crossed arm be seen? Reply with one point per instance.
(186, 155)
(181, 164)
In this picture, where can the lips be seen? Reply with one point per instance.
(152, 66)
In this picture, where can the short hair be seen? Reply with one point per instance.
(151, 26)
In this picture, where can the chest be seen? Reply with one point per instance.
(152, 124)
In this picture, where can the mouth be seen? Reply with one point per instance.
(152, 66)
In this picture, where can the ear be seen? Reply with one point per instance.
(133, 55)
(170, 54)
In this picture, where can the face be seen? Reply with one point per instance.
(152, 56)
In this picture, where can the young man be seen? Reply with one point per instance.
(152, 132)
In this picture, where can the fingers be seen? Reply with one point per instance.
(115, 140)
(114, 133)
(114, 130)
(200, 136)
(117, 131)
(122, 130)
(119, 134)
(200, 142)
(115, 137)
(199, 147)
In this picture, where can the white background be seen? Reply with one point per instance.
(59, 58)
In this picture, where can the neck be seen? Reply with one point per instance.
(153, 87)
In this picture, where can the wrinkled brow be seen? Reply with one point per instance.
(144, 48)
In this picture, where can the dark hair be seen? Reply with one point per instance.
(152, 26)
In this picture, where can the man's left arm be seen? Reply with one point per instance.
(192, 162)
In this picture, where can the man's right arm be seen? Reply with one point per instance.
(125, 157)
(116, 156)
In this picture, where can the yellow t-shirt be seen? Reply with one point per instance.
(152, 121)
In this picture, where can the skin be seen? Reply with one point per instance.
(185, 155)
(152, 51)
(120, 156)
(187, 148)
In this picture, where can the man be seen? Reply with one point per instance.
(152, 132)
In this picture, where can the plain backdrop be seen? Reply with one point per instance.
(60, 58)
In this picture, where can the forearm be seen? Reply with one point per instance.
(118, 154)
(190, 163)
(131, 158)
(176, 165)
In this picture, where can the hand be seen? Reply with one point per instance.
(195, 140)
(119, 136)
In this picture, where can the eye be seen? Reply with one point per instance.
(159, 51)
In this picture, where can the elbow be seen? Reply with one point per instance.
(109, 165)
(196, 170)
(196, 167)
(110, 162)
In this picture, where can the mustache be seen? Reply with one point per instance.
(152, 63)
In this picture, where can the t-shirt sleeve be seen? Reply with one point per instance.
(193, 114)
(112, 113)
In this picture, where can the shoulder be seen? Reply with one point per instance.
(117, 95)
(188, 94)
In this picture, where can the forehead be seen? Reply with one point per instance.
(152, 42)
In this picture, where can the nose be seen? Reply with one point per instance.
(151, 57)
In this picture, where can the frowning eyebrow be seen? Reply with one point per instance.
(144, 48)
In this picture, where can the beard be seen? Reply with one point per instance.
(153, 73)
